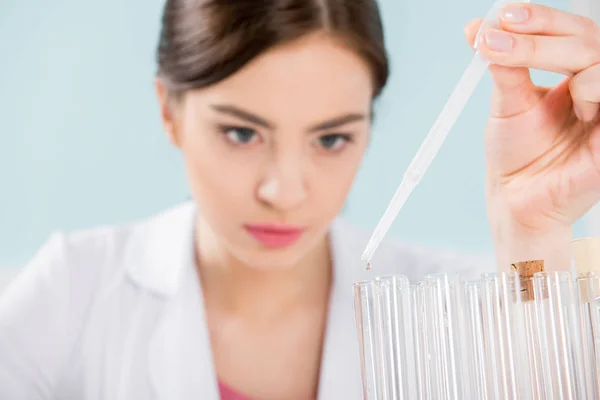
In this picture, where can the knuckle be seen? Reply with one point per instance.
(574, 88)
(529, 50)
(591, 51)
(547, 20)
(591, 31)
(589, 26)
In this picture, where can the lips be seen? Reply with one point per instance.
(275, 236)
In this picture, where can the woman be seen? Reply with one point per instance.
(246, 292)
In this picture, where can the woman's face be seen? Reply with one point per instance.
(272, 151)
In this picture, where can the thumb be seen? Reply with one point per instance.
(514, 92)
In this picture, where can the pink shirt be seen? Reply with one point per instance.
(228, 393)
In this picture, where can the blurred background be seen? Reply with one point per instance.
(81, 142)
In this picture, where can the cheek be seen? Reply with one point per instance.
(334, 180)
(221, 183)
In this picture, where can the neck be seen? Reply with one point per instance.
(237, 288)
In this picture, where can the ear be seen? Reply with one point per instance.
(167, 111)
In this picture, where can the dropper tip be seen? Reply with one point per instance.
(366, 257)
(368, 266)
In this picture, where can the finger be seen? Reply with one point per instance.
(471, 29)
(543, 20)
(566, 55)
(514, 92)
(585, 91)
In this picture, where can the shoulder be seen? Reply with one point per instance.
(45, 309)
(70, 267)
(65, 266)
(395, 256)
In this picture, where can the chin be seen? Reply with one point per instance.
(273, 259)
(261, 257)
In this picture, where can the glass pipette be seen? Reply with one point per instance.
(438, 132)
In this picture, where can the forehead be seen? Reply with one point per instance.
(312, 78)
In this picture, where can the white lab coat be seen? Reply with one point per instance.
(116, 313)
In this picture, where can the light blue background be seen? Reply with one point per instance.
(81, 142)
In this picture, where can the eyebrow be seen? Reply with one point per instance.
(257, 120)
(241, 114)
(338, 121)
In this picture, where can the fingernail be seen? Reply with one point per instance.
(499, 41)
(578, 113)
(515, 15)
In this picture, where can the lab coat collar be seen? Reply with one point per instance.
(164, 265)
(180, 362)
(160, 249)
(180, 358)
(340, 376)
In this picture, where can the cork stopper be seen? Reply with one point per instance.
(526, 270)
(586, 256)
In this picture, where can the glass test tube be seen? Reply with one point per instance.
(506, 336)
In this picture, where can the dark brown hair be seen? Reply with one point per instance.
(205, 41)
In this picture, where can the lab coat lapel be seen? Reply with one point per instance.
(179, 354)
(180, 360)
(340, 367)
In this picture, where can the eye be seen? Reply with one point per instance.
(334, 142)
(239, 135)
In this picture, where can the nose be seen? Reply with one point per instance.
(283, 187)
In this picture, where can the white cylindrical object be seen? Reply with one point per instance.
(508, 336)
